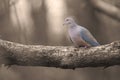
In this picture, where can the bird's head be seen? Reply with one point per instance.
(69, 21)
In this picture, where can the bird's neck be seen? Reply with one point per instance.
(73, 25)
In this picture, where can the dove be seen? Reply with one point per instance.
(79, 35)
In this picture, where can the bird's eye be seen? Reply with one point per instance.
(67, 19)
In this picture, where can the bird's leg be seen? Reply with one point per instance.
(83, 46)
(80, 46)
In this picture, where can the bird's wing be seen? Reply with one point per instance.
(87, 37)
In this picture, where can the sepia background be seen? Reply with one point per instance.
(39, 22)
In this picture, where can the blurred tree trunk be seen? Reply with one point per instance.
(56, 10)
(22, 21)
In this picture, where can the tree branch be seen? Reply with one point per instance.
(106, 8)
(58, 56)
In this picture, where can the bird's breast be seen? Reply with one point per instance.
(75, 35)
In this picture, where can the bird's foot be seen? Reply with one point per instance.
(78, 47)
(84, 47)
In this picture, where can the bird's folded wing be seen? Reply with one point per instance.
(87, 37)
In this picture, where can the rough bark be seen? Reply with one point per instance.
(59, 56)
(106, 8)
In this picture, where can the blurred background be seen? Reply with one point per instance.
(39, 22)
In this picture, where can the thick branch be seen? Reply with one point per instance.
(58, 56)
(106, 8)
